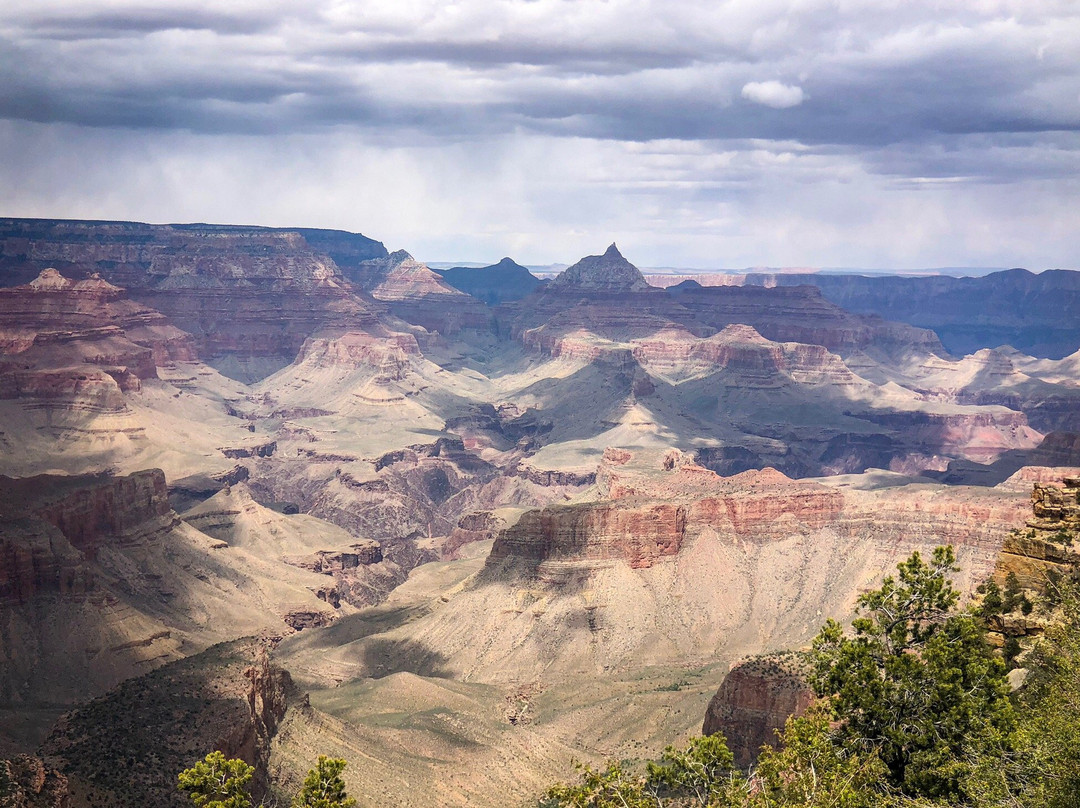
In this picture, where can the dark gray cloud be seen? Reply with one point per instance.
(864, 77)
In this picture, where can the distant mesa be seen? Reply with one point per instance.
(609, 272)
(495, 284)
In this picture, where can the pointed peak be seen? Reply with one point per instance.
(609, 272)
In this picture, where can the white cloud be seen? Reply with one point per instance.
(773, 94)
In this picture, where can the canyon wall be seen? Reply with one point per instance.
(249, 296)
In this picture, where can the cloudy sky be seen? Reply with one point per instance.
(890, 133)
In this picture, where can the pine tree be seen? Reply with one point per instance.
(917, 683)
(216, 782)
(323, 786)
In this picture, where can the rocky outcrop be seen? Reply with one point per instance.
(754, 701)
(1049, 544)
(249, 296)
(472, 527)
(26, 782)
(129, 745)
(327, 562)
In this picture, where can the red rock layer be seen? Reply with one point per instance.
(640, 536)
(650, 516)
(88, 510)
(81, 341)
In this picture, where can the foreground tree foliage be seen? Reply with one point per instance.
(323, 786)
(914, 711)
(916, 682)
(702, 774)
(218, 782)
(1042, 768)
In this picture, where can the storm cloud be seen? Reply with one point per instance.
(669, 121)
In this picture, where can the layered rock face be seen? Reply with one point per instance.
(751, 359)
(800, 314)
(59, 539)
(754, 701)
(86, 511)
(249, 296)
(1045, 545)
(81, 344)
(679, 564)
(639, 536)
(1037, 314)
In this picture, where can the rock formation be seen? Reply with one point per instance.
(1036, 313)
(26, 782)
(800, 314)
(249, 296)
(81, 344)
(1045, 545)
(101, 580)
(609, 272)
(755, 700)
(418, 295)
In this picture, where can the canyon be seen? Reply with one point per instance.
(462, 528)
